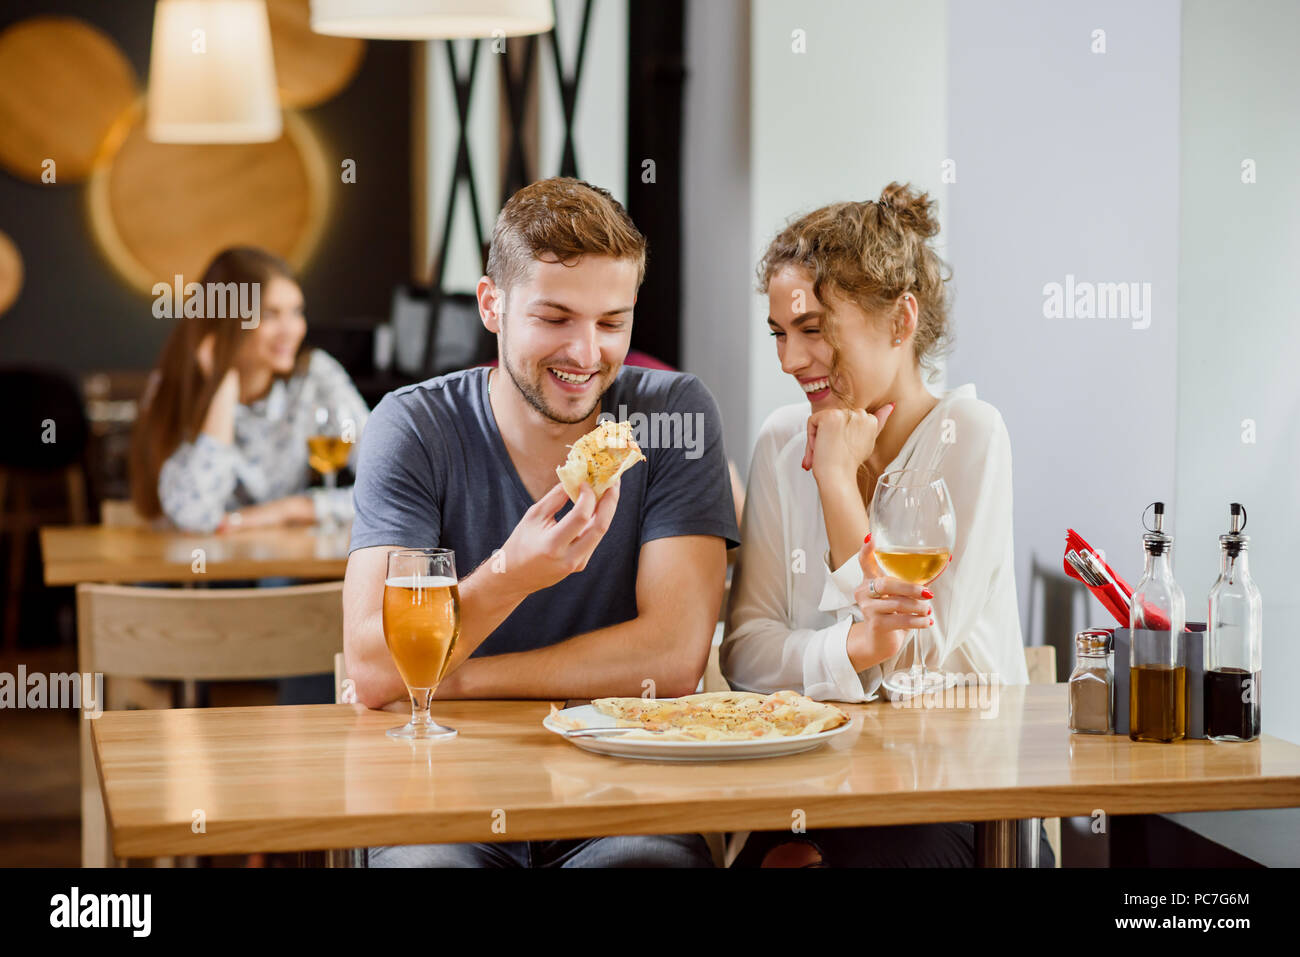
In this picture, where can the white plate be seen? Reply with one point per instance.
(649, 749)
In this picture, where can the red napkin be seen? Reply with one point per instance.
(1116, 601)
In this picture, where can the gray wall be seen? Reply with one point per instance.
(866, 104)
(717, 291)
(1238, 337)
(1067, 164)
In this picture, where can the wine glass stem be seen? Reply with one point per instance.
(918, 661)
(331, 481)
(421, 699)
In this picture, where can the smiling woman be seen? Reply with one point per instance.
(858, 308)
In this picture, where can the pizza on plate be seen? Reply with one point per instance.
(722, 716)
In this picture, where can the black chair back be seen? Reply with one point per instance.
(47, 422)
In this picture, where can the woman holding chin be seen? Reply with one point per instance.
(221, 441)
(858, 308)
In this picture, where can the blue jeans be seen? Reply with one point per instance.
(903, 845)
(641, 850)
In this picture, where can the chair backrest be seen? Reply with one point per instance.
(119, 513)
(1041, 662)
(209, 634)
(1061, 598)
(36, 399)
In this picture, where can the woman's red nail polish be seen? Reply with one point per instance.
(926, 593)
(867, 539)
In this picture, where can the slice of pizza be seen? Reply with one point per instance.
(598, 458)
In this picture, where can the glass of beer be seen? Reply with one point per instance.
(421, 623)
(329, 446)
(913, 529)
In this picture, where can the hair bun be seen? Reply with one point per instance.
(915, 210)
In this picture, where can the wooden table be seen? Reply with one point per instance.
(326, 776)
(96, 553)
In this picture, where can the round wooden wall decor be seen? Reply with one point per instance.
(310, 68)
(11, 272)
(159, 209)
(65, 88)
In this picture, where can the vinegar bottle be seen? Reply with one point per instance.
(1234, 644)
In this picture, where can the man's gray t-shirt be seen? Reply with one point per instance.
(433, 471)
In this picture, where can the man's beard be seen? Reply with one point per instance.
(533, 395)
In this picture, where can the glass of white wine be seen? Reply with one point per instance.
(329, 446)
(421, 614)
(914, 530)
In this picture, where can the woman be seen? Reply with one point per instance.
(858, 309)
(221, 441)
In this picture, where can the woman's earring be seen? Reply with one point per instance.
(898, 342)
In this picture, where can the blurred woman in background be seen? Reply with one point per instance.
(221, 440)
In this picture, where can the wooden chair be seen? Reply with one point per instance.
(120, 513)
(44, 449)
(127, 694)
(224, 634)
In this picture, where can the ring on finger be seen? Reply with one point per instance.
(871, 587)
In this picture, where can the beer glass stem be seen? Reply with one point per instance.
(421, 700)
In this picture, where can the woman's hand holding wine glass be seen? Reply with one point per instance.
(914, 530)
(890, 608)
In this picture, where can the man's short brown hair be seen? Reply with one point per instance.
(561, 220)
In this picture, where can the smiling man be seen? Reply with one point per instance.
(616, 597)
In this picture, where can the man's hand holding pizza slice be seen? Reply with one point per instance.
(542, 550)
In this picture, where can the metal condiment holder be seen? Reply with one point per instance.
(1193, 654)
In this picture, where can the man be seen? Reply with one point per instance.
(604, 598)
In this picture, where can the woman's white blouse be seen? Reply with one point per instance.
(789, 614)
(204, 479)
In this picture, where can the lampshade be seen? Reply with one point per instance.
(430, 19)
(212, 74)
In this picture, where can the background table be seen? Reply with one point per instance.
(96, 553)
(326, 776)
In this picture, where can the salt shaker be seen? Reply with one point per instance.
(1092, 684)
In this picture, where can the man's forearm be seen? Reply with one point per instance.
(486, 600)
(612, 661)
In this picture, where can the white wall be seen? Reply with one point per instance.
(1239, 336)
(866, 104)
(1067, 164)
